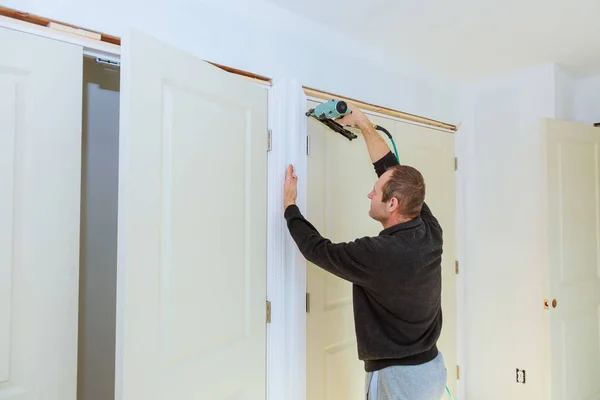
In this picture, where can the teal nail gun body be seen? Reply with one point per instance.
(327, 112)
(330, 110)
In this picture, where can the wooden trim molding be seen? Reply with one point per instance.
(42, 21)
(382, 110)
(250, 75)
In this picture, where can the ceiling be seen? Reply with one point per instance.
(468, 39)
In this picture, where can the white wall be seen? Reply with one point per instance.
(565, 95)
(259, 37)
(586, 100)
(503, 249)
(577, 98)
(98, 268)
(503, 245)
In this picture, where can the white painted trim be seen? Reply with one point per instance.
(286, 273)
(89, 45)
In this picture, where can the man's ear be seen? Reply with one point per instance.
(393, 204)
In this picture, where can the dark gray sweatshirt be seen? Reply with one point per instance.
(396, 280)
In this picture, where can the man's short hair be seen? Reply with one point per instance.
(408, 186)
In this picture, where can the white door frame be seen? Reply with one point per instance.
(283, 345)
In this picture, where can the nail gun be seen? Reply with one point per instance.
(327, 112)
(330, 110)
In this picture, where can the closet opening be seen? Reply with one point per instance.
(98, 237)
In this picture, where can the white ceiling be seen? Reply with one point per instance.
(467, 39)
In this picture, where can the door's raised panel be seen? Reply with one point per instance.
(8, 126)
(196, 259)
(579, 183)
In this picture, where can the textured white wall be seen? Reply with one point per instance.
(503, 235)
(502, 229)
(587, 100)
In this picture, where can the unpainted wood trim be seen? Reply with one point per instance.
(42, 21)
(252, 76)
(379, 109)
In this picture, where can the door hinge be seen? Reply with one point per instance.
(269, 140)
(107, 62)
(457, 372)
(307, 145)
(456, 267)
(307, 302)
(268, 312)
(455, 163)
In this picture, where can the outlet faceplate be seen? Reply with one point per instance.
(521, 377)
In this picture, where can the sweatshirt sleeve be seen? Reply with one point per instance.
(385, 162)
(356, 261)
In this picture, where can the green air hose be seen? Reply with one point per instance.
(380, 128)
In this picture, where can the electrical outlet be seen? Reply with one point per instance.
(521, 377)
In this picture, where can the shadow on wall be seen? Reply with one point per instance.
(98, 248)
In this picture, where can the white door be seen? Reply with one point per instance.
(340, 175)
(573, 168)
(40, 175)
(191, 285)
(432, 153)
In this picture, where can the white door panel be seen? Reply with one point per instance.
(40, 176)
(432, 153)
(574, 263)
(192, 227)
(340, 175)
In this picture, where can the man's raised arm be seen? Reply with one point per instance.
(376, 145)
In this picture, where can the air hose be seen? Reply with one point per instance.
(381, 128)
(389, 135)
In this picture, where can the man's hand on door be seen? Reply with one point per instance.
(290, 187)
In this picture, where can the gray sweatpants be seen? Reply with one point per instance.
(408, 382)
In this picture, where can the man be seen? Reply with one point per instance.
(396, 276)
